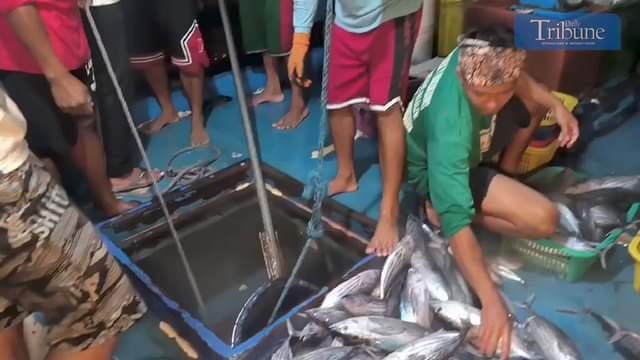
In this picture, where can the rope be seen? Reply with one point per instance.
(188, 175)
(156, 188)
(316, 184)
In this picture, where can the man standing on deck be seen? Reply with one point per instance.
(371, 46)
(52, 260)
(452, 129)
(44, 66)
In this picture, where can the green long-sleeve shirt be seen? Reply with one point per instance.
(444, 134)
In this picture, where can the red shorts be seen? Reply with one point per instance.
(373, 67)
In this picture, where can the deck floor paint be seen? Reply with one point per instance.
(609, 292)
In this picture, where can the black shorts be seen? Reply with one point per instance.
(51, 132)
(156, 26)
(514, 116)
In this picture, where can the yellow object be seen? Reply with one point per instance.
(182, 343)
(536, 157)
(450, 25)
(570, 102)
(634, 250)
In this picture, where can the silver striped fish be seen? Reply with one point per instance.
(440, 345)
(362, 283)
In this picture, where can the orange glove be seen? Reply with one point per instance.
(301, 43)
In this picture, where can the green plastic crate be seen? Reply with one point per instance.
(570, 264)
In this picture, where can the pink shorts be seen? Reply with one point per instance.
(373, 67)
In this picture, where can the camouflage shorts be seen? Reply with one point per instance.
(53, 261)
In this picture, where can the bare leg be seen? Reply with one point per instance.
(88, 156)
(298, 111)
(156, 75)
(12, 344)
(193, 85)
(516, 210)
(100, 352)
(272, 92)
(343, 129)
(392, 157)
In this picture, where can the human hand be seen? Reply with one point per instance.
(569, 129)
(71, 95)
(431, 214)
(495, 329)
(301, 43)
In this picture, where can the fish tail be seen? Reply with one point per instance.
(618, 336)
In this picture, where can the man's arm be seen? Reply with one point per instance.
(495, 329)
(513, 153)
(27, 24)
(448, 151)
(8, 126)
(532, 92)
(448, 172)
(69, 93)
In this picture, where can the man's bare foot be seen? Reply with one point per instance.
(119, 207)
(343, 184)
(267, 96)
(137, 179)
(385, 238)
(292, 119)
(166, 118)
(199, 136)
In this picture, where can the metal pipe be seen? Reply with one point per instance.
(270, 240)
(156, 188)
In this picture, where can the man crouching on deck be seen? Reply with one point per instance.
(476, 105)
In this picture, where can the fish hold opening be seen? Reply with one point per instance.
(218, 220)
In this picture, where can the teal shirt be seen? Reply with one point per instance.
(444, 134)
(356, 16)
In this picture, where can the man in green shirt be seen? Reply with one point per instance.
(479, 104)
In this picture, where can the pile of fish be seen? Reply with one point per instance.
(418, 306)
(591, 209)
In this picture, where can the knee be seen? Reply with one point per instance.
(545, 221)
(192, 70)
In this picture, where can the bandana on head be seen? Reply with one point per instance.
(484, 65)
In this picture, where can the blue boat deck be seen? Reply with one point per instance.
(609, 292)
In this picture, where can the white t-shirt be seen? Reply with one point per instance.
(14, 150)
(95, 3)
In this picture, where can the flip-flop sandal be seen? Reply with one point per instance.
(144, 127)
(341, 193)
(142, 181)
(135, 204)
(257, 93)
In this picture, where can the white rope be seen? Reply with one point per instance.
(145, 159)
